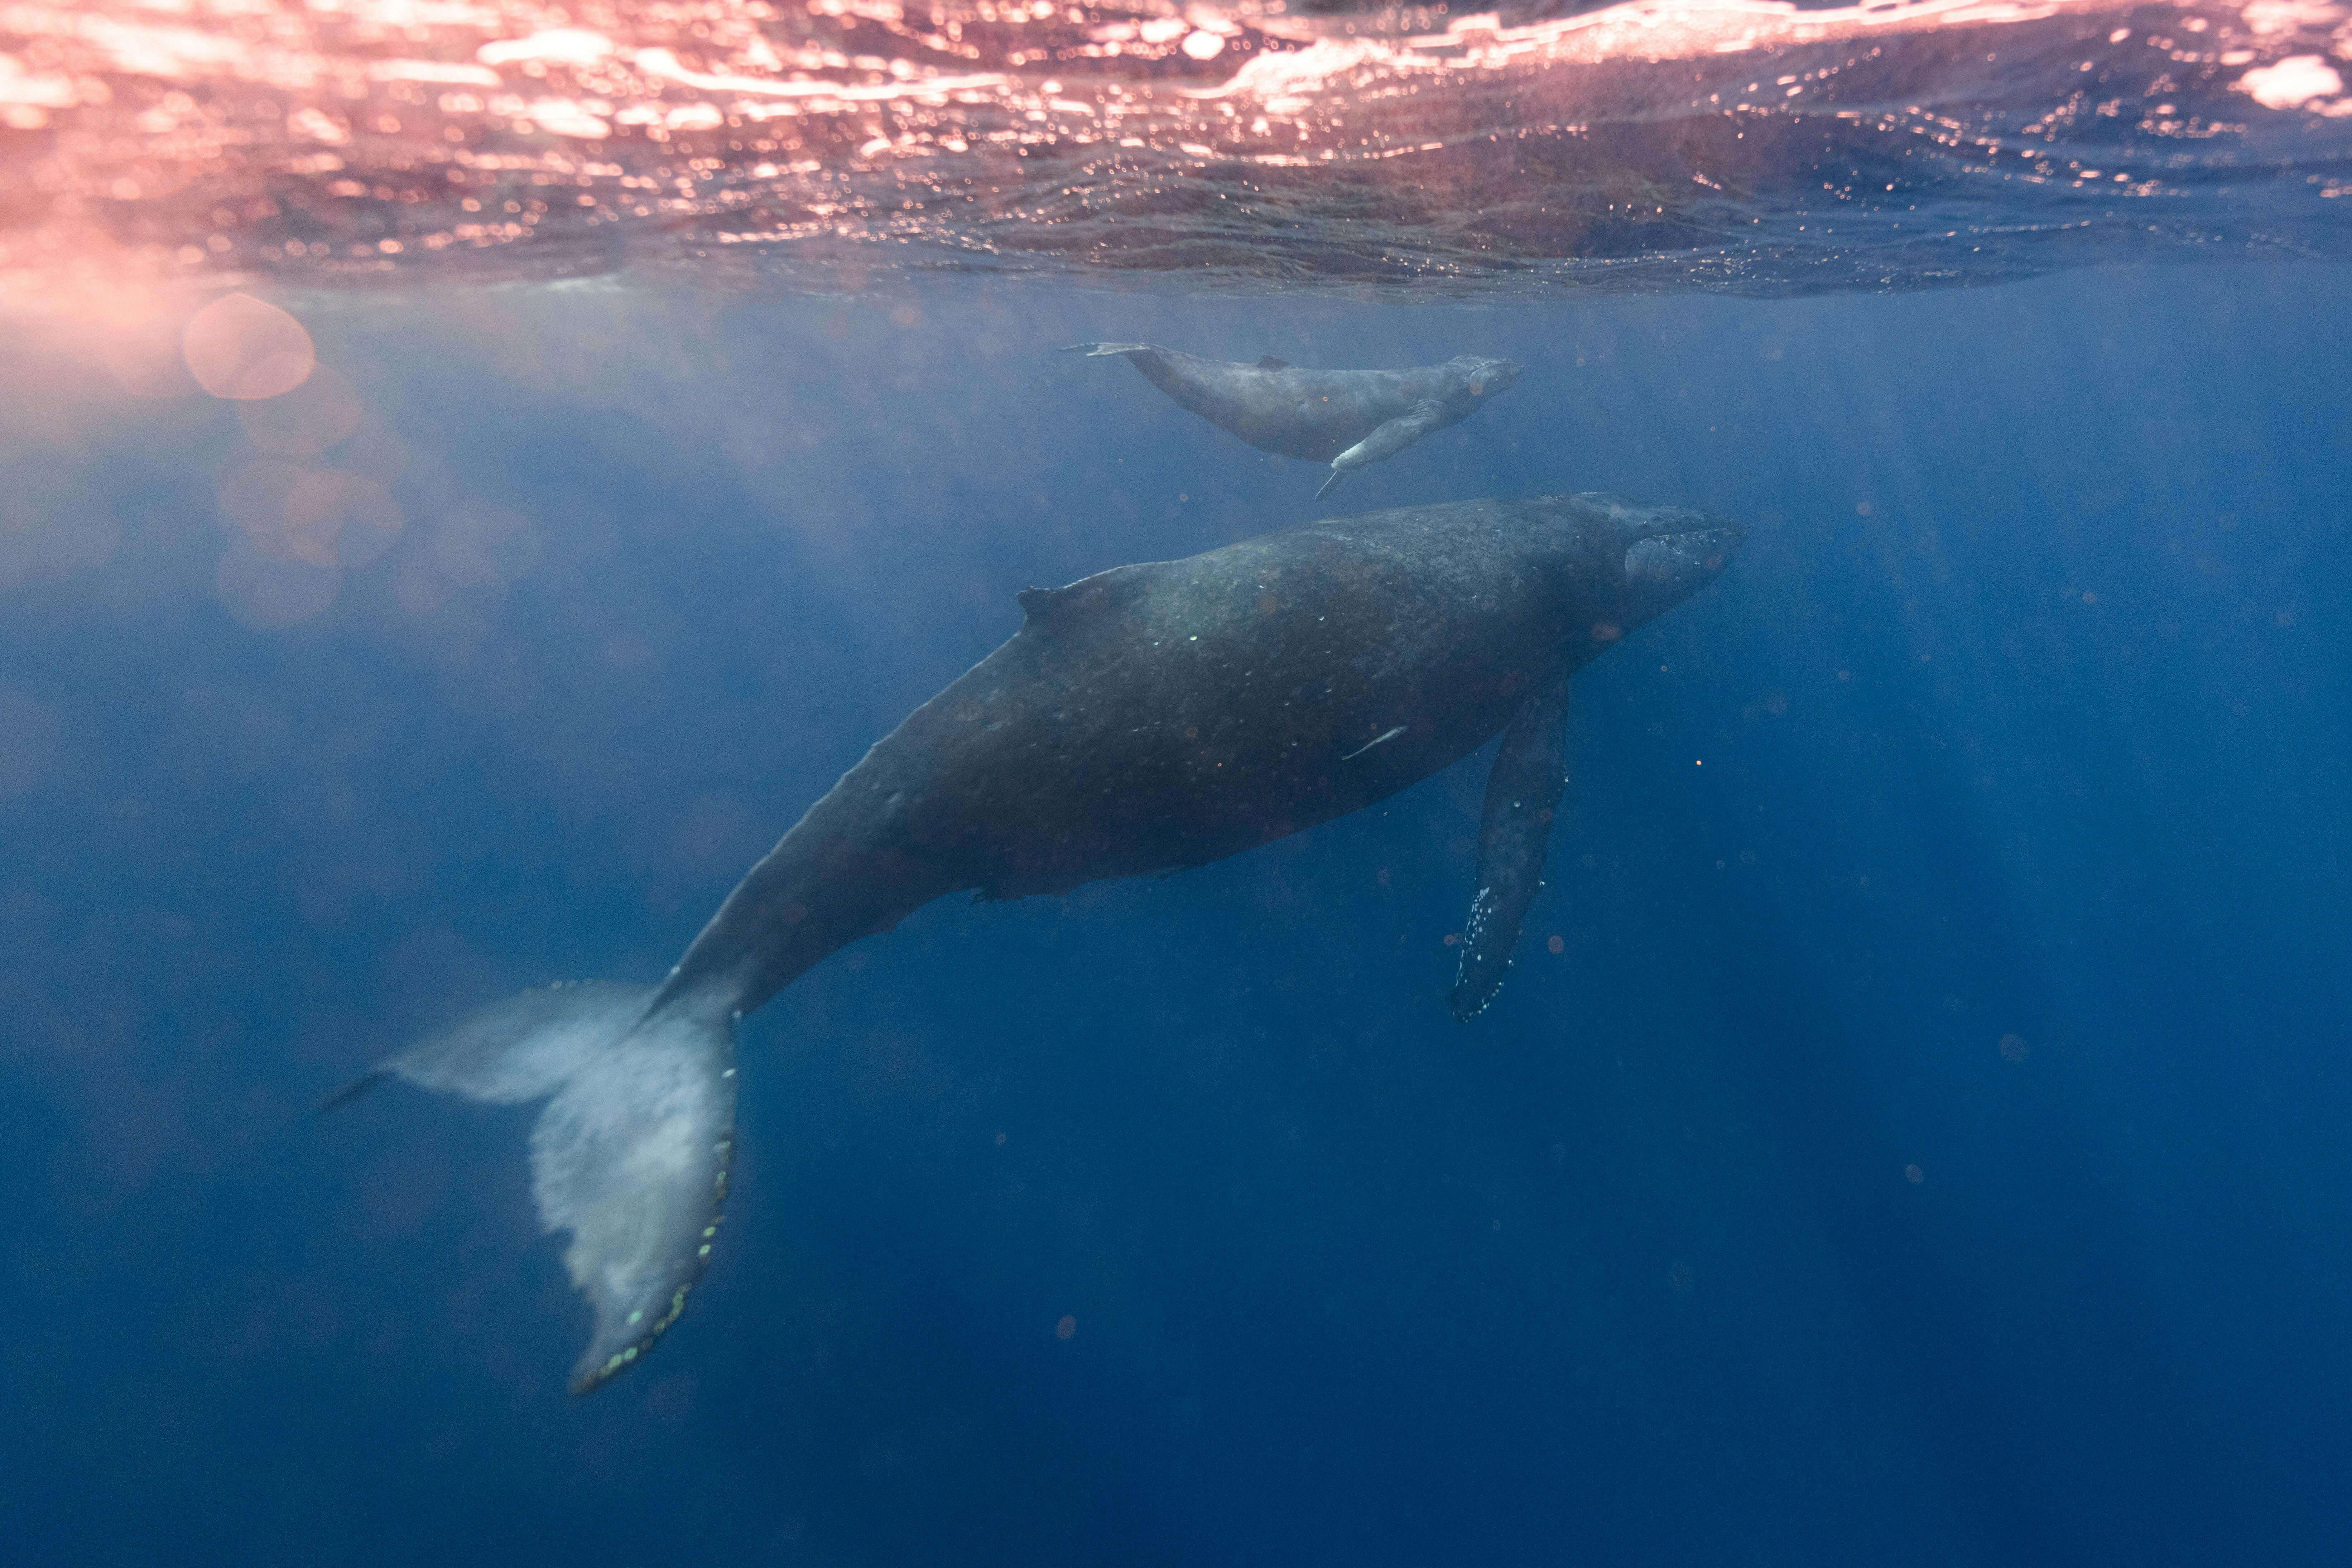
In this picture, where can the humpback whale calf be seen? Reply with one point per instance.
(1149, 718)
(1343, 417)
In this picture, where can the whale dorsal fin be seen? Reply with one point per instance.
(1268, 362)
(1044, 606)
(1052, 608)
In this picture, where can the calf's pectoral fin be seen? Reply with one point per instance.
(1385, 441)
(1513, 831)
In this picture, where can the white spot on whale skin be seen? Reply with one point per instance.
(1375, 740)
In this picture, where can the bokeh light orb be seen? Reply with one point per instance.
(318, 413)
(243, 347)
(271, 593)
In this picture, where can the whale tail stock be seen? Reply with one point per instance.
(630, 1153)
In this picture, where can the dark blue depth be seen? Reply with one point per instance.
(1731, 1234)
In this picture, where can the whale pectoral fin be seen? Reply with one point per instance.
(1268, 362)
(629, 1156)
(1388, 440)
(1521, 792)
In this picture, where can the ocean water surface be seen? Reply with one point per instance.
(1913, 1131)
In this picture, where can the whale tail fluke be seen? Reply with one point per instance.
(1092, 350)
(352, 1091)
(630, 1154)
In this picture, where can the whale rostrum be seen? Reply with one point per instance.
(1347, 418)
(1149, 717)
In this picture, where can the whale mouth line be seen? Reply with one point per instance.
(1681, 556)
(1732, 532)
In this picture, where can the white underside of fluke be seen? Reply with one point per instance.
(630, 1156)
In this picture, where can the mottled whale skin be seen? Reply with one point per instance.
(1347, 418)
(1149, 717)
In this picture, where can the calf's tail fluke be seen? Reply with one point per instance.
(630, 1154)
(1091, 349)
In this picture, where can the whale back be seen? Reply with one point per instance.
(1170, 713)
(1173, 713)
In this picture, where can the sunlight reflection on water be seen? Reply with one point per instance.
(1740, 144)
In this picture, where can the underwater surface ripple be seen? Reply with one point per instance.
(1721, 145)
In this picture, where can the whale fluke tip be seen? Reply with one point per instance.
(1469, 998)
(1092, 350)
(629, 1155)
(352, 1091)
(1331, 483)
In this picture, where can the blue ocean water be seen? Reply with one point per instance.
(1913, 1131)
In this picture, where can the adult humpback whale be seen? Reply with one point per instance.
(1343, 417)
(1148, 717)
